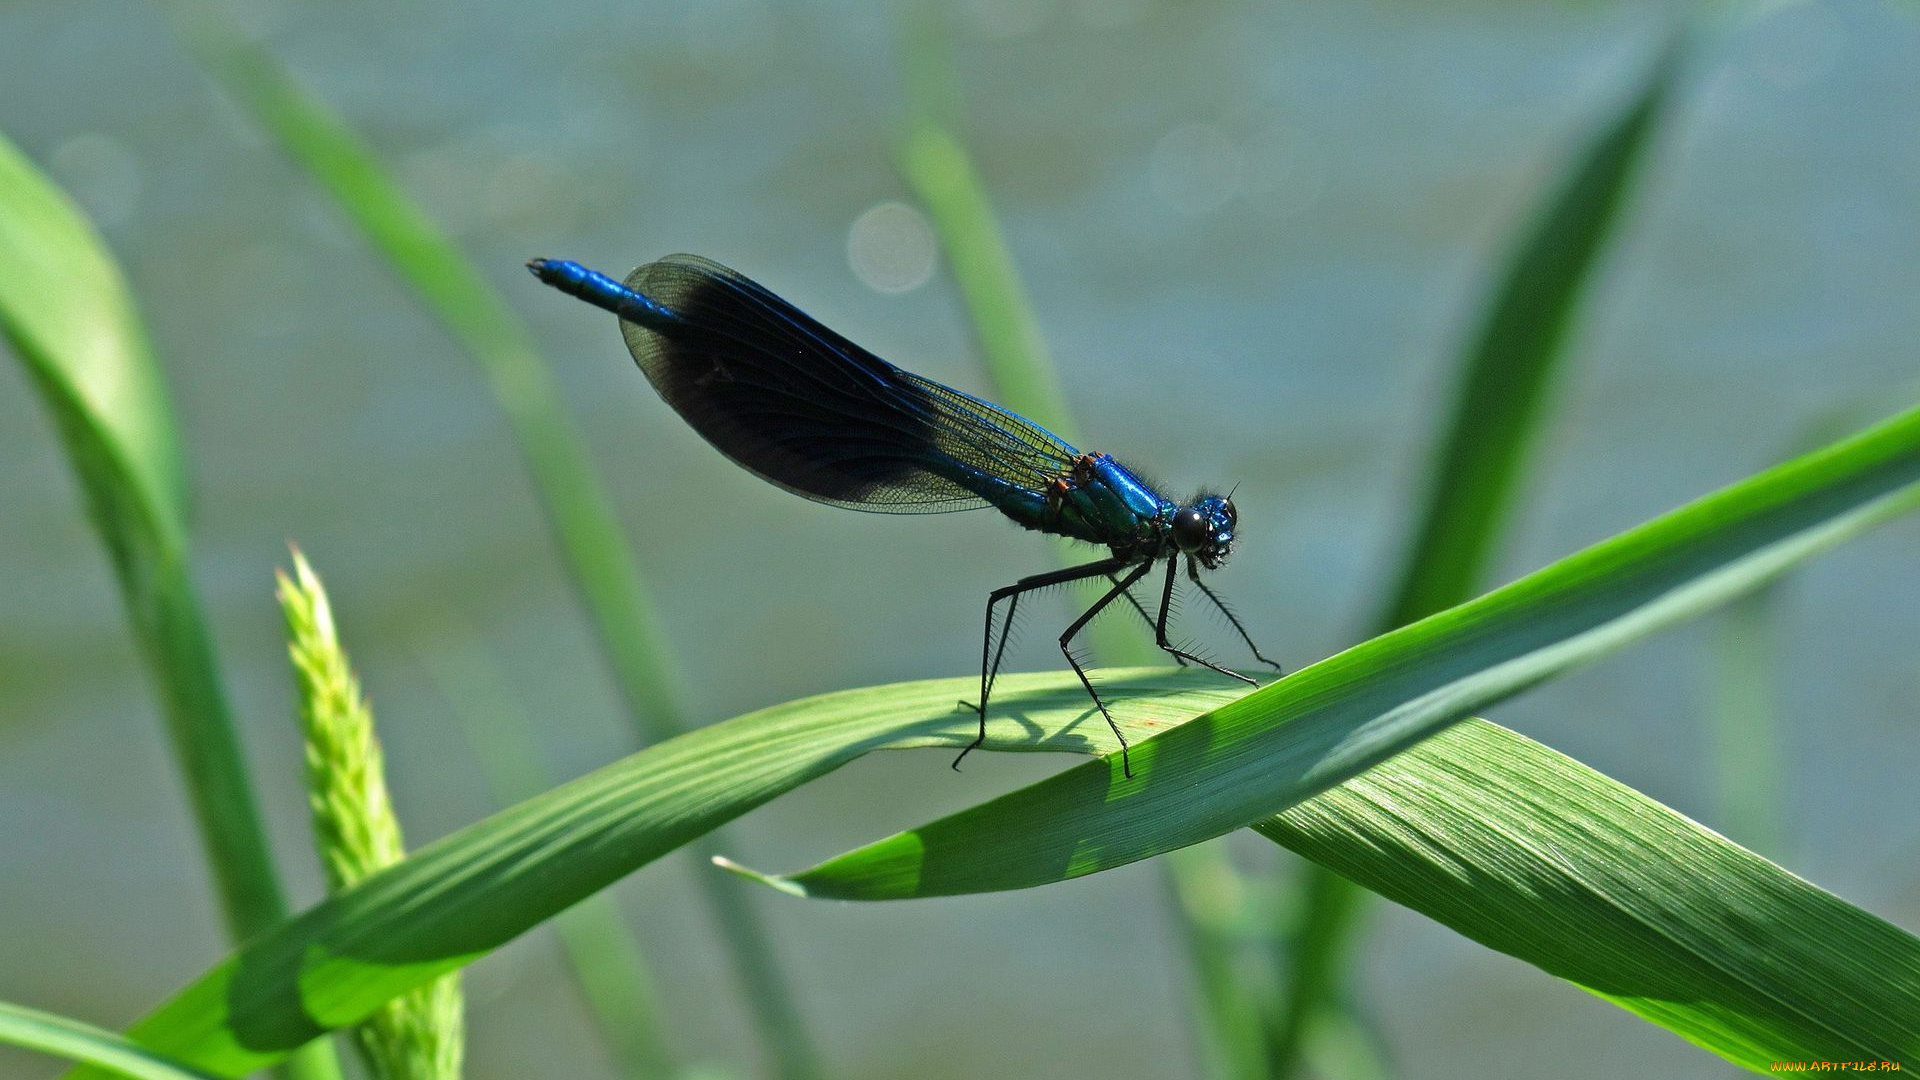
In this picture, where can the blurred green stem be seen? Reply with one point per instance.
(941, 173)
(178, 646)
(1229, 1020)
(1742, 691)
(179, 649)
(1742, 723)
(943, 177)
(1320, 947)
(1484, 453)
(607, 962)
(1342, 1046)
(579, 513)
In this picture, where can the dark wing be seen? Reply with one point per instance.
(804, 408)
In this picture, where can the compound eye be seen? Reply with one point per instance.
(1190, 529)
(1233, 516)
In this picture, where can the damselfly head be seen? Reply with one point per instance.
(1204, 529)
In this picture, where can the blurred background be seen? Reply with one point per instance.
(1256, 237)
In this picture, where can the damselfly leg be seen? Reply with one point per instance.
(1160, 629)
(1066, 649)
(1193, 575)
(990, 656)
(1123, 575)
(1144, 617)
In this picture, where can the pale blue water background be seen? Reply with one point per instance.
(1255, 235)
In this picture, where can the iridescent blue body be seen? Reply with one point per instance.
(601, 291)
(806, 409)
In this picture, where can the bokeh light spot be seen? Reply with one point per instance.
(891, 248)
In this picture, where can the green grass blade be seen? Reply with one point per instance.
(1535, 855)
(610, 969)
(1318, 947)
(1341, 1044)
(941, 172)
(579, 513)
(1743, 710)
(457, 899)
(1507, 375)
(1313, 729)
(1209, 897)
(82, 1042)
(66, 312)
(1511, 366)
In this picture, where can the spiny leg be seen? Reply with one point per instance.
(1193, 574)
(1160, 628)
(992, 672)
(1144, 617)
(990, 657)
(1066, 648)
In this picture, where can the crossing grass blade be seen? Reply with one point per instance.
(1515, 357)
(585, 526)
(1293, 740)
(66, 312)
(1315, 728)
(65, 1037)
